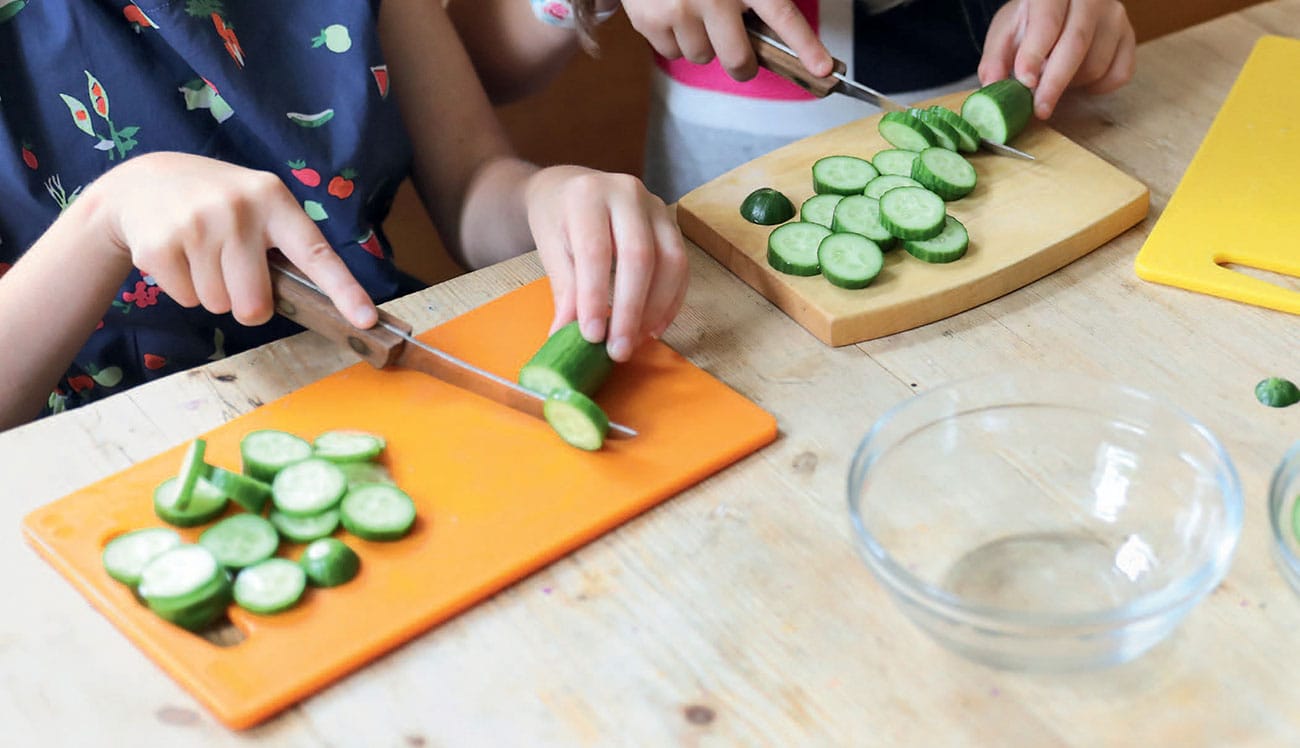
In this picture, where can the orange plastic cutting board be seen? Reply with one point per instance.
(498, 496)
(1239, 201)
(1026, 219)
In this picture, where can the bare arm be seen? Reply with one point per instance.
(514, 54)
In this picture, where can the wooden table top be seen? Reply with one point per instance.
(738, 613)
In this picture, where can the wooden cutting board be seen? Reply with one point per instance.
(1026, 219)
(498, 495)
(1237, 202)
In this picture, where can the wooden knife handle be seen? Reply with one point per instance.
(299, 300)
(785, 64)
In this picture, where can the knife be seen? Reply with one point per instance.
(780, 59)
(390, 343)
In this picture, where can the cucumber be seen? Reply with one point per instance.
(819, 209)
(792, 248)
(894, 161)
(271, 586)
(241, 540)
(185, 586)
(305, 529)
(192, 468)
(206, 503)
(308, 487)
(1276, 392)
(947, 246)
(1000, 110)
(348, 446)
(912, 213)
(859, 214)
(842, 175)
(577, 418)
(567, 361)
(766, 207)
(268, 451)
(250, 493)
(968, 138)
(944, 173)
(378, 512)
(359, 473)
(850, 260)
(880, 185)
(126, 555)
(944, 136)
(902, 130)
(329, 562)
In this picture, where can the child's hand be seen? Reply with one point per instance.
(587, 223)
(202, 228)
(700, 29)
(1051, 45)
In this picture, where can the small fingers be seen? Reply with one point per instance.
(727, 32)
(248, 281)
(1042, 27)
(635, 247)
(171, 270)
(1065, 60)
(591, 242)
(693, 39)
(668, 287)
(1122, 66)
(1000, 44)
(789, 23)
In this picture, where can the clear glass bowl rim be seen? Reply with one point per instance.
(1288, 468)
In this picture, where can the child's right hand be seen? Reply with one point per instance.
(202, 229)
(699, 30)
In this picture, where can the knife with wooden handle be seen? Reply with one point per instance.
(390, 343)
(776, 56)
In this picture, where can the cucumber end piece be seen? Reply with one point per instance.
(577, 419)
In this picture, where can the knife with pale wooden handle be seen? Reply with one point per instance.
(390, 343)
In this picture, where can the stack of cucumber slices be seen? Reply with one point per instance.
(306, 489)
(863, 208)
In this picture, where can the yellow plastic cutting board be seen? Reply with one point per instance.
(1026, 219)
(1239, 201)
(498, 495)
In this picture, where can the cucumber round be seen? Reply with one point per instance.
(241, 540)
(179, 578)
(792, 248)
(269, 587)
(948, 245)
(842, 175)
(1000, 110)
(912, 213)
(206, 503)
(329, 562)
(567, 361)
(766, 207)
(250, 493)
(308, 528)
(126, 555)
(894, 162)
(850, 260)
(902, 130)
(944, 136)
(968, 138)
(819, 209)
(268, 451)
(577, 419)
(377, 512)
(308, 487)
(348, 446)
(880, 185)
(945, 173)
(859, 214)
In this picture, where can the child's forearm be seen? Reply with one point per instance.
(514, 53)
(50, 302)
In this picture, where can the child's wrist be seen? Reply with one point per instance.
(561, 12)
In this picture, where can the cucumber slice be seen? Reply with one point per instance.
(250, 493)
(329, 562)
(819, 209)
(378, 512)
(359, 473)
(206, 503)
(348, 446)
(1000, 110)
(306, 529)
(944, 136)
(792, 248)
(269, 587)
(241, 540)
(912, 213)
(902, 130)
(126, 555)
(567, 361)
(179, 578)
(859, 214)
(210, 605)
(268, 451)
(949, 245)
(968, 138)
(894, 161)
(576, 418)
(842, 175)
(1276, 392)
(881, 185)
(308, 487)
(944, 173)
(766, 207)
(850, 260)
(192, 468)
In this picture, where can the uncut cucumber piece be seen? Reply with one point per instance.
(206, 503)
(378, 512)
(968, 138)
(894, 162)
(945, 173)
(271, 586)
(912, 213)
(1000, 110)
(948, 246)
(880, 185)
(267, 451)
(850, 260)
(842, 175)
(766, 207)
(241, 540)
(577, 419)
(567, 361)
(329, 562)
(859, 214)
(126, 555)
(819, 209)
(792, 248)
(342, 446)
(305, 529)
(308, 487)
(902, 130)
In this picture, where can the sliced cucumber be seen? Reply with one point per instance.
(126, 555)
(944, 136)
(968, 138)
(949, 245)
(1276, 392)
(902, 130)
(880, 185)
(306, 529)
(308, 487)
(192, 468)
(912, 213)
(859, 214)
(842, 175)
(766, 207)
(271, 586)
(567, 361)
(945, 173)
(268, 451)
(206, 503)
(1000, 110)
(850, 260)
(179, 578)
(894, 161)
(792, 248)
(250, 493)
(819, 209)
(348, 446)
(241, 540)
(378, 512)
(329, 562)
(359, 473)
(576, 418)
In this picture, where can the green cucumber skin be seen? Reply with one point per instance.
(567, 356)
(1013, 100)
(767, 207)
(562, 404)
(1276, 392)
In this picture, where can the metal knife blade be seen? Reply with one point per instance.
(849, 87)
(390, 343)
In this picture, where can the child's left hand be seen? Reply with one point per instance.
(588, 223)
(1051, 45)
